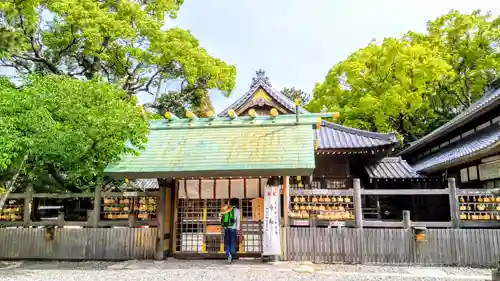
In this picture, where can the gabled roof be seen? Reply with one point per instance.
(277, 96)
(489, 100)
(331, 135)
(335, 136)
(391, 168)
(467, 149)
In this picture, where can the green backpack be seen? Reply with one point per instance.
(228, 219)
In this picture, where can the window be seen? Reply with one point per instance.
(473, 173)
(464, 177)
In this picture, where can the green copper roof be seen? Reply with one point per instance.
(224, 147)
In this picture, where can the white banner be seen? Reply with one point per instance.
(271, 245)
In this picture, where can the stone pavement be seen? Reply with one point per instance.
(213, 270)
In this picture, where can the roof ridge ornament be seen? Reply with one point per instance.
(260, 76)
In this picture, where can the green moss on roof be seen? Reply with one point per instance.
(245, 146)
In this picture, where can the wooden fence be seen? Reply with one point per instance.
(78, 244)
(449, 247)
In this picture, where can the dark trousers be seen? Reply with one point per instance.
(230, 242)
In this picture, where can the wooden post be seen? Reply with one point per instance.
(454, 209)
(286, 199)
(60, 220)
(131, 219)
(28, 203)
(97, 207)
(379, 209)
(406, 219)
(358, 211)
(175, 195)
(160, 216)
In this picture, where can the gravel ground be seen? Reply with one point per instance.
(219, 271)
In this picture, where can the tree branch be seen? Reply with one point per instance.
(49, 65)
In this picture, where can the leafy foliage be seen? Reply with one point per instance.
(70, 130)
(294, 94)
(190, 97)
(414, 84)
(470, 44)
(122, 41)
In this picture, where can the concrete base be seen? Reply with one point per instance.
(495, 275)
(270, 258)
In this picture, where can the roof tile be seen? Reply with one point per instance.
(335, 136)
(391, 168)
(461, 149)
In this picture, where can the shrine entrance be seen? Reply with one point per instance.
(197, 222)
(209, 161)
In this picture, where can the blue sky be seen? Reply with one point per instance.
(295, 41)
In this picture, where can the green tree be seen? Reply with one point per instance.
(294, 94)
(124, 42)
(69, 129)
(470, 44)
(417, 83)
(384, 88)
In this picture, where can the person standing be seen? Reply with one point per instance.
(230, 221)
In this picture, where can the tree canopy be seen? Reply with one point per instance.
(412, 85)
(69, 129)
(124, 42)
(294, 94)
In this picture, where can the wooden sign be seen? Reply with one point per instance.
(129, 194)
(258, 209)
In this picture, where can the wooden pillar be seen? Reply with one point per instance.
(175, 212)
(454, 209)
(358, 211)
(286, 199)
(28, 203)
(97, 207)
(160, 217)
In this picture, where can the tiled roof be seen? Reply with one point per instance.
(260, 146)
(331, 135)
(280, 98)
(489, 100)
(139, 184)
(462, 149)
(391, 168)
(335, 136)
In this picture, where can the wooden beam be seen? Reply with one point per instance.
(400, 224)
(63, 196)
(17, 195)
(443, 191)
